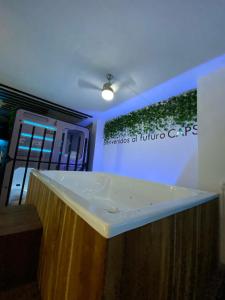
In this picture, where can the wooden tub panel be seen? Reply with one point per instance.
(172, 258)
(72, 253)
(146, 257)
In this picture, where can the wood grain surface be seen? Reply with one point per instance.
(72, 253)
(173, 258)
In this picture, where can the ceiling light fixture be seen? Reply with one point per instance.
(107, 91)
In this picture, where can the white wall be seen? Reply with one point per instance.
(211, 121)
(97, 144)
(169, 160)
(172, 162)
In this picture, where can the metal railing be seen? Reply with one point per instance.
(49, 163)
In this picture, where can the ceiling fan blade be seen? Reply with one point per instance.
(127, 83)
(84, 84)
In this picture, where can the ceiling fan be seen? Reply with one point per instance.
(108, 88)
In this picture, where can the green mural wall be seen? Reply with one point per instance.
(179, 111)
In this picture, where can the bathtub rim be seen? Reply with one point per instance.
(107, 224)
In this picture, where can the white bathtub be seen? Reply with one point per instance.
(115, 204)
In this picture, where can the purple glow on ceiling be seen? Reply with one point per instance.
(170, 88)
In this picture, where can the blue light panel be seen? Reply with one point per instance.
(39, 125)
(38, 137)
(3, 143)
(34, 149)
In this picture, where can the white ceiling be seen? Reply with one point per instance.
(50, 48)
